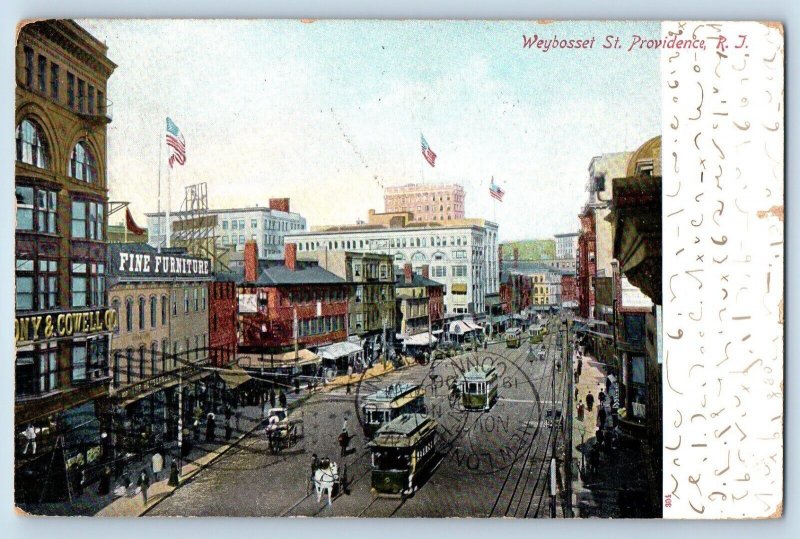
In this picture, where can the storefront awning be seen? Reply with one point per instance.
(286, 359)
(339, 349)
(233, 377)
(459, 327)
(458, 288)
(420, 339)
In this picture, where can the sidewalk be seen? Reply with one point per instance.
(614, 490)
(203, 454)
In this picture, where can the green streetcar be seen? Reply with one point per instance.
(478, 388)
(403, 454)
(389, 403)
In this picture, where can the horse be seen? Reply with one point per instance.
(326, 479)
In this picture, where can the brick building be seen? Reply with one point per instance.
(62, 320)
(288, 307)
(427, 201)
(569, 291)
(222, 321)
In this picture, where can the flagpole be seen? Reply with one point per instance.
(421, 166)
(169, 205)
(158, 212)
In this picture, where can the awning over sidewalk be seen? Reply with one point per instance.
(420, 339)
(234, 377)
(459, 327)
(286, 359)
(339, 349)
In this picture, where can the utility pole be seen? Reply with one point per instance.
(568, 449)
(554, 436)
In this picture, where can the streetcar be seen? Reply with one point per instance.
(403, 454)
(513, 338)
(385, 405)
(478, 387)
(537, 334)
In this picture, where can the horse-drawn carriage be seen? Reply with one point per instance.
(328, 479)
(281, 430)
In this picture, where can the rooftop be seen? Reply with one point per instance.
(392, 391)
(404, 425)
(303, 275)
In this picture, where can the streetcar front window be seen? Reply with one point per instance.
(472, 388)
(391, 459)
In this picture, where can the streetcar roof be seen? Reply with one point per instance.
(480, 373)
(403, 431)
(393, 392)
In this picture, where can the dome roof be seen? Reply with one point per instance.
(649, 151)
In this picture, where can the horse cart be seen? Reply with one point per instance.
(328, 479)
(281, 430)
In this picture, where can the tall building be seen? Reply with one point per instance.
(235, 226)
(462, 254)
(62, 317)
(427, 201)
(566, 245)
(162, 305)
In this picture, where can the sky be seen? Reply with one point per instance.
(327, 112)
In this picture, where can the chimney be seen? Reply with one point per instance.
(407, 274)
(250, 261)
(426, 271)
(279, 204)
(290, 255)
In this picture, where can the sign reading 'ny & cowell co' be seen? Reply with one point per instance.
(152, 264)
(47, 326)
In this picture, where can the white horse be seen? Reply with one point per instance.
(325, 479)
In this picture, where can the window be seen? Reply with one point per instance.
(460, 254)
(91, 99)
(142, 362)
(129, 365)
(80, 284)
(54, 81)
(87, 219)
(439, 271)
(196, 300)
(224, 225)
(24, 284)
(36, 371)
(359, 294)
(234, 224)
(174, 303)
(28, 66)
(203, 298)
(42, 72)
(141, 313)
(31, 145)
(70, 90)
(153, 358)
(82, 164)
(129, 315)
(24, 208)
(101, 105)
(163, 313)
(81, 95)
(164, 352)
(254, 223)
(185, 300)
(459, 271)
(48, 284)
(357, 270)
(78, 362)
(46, 208)
(241, 224)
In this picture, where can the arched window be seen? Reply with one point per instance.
(163, 310)
(153, 311)
(141, 313)
(115, 306)
(153, 358)
(82, 165)
(418, 257)
(31, 144)
(129, 314)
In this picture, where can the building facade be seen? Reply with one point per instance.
(414, 294)
(371, 305)
(427, 201)
(235, 226)
(569, 291)
(462, 254)
(289, 307)
(222, 321)
(161, 301)
(62, 317)
(566, 245)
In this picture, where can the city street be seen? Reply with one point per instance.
(493, 463)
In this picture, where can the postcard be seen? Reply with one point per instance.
(419, 268)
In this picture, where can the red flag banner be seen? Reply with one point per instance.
(131, 225)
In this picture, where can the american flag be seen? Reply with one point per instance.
(427, 153)
(177, 144)
(495, 191)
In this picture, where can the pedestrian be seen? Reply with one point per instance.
(272, 397)
(282, 399)
(594, 460)
(144, 484)
(211, 428)
(344, 425)
(347, 387)
(580, 411)
(576, 394)
(30, 439)
(228, 429)
(158, 464)
(104, 486)
(297, 386)
(173, 475)
(601, 397)
(608, 385)
(589, 401)
(344, 440)
(601, 417)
